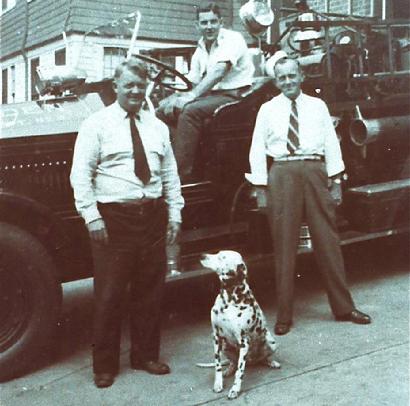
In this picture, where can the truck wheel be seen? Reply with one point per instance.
(30, 300)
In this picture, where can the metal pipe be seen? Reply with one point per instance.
(134, 34)
(365, 131)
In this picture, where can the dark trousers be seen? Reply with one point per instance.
(190, 125)
(296, 188)
(132, 262)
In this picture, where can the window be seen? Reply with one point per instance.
(60, 57)
(7, 5)
(34, 77)
(361, 8)
(4, 86)
(112, 58)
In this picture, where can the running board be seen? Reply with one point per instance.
(347, 238)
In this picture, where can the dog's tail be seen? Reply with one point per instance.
(224, 362)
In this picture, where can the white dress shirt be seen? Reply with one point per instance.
(316, 135)
(230, 46)
(103, 163)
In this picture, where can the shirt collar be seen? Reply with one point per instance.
(298, 99)
(123, 113)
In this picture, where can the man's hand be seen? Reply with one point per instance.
(97, 231)
(183, 99)
(336, 192)
(173, 232)
(166, 106)
(260, 194)
(174, 104)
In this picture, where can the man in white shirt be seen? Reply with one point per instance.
(221, 68)
(296, 132)
(124, 177)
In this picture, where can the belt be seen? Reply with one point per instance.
(141, 206)
(289, 158)
(139, 202)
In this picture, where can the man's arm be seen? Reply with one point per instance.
(333, 157)
(332, 151)
(257, 153)
(212, 77)
(172, 192)
(85, 160)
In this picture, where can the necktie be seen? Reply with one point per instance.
(293, 132)
(141, 167)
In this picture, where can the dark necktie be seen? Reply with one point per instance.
(293, 132)
(141, 167)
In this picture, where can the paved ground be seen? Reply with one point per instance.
(323, 362)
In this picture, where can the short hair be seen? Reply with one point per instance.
(207, 6)
(285, 59)
(134, 65)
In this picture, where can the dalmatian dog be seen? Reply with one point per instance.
(238, 324)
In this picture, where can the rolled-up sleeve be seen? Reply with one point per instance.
(332, 150)
(231, 50)
(85, 161)
(171, 184)
(257, 154)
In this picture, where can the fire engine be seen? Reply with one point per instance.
(360, 67)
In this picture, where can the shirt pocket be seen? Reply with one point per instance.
(116, 148)
(155, 154)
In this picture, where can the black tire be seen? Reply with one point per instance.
(30, 301)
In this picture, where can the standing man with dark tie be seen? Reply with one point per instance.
(296, 131)
(127, 190)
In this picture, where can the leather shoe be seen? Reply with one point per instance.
(103, 380)
(355, 316)
(152, 367)
(282, 328)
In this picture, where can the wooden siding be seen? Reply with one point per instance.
(170, 20)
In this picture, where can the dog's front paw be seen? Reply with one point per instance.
(233, 394)
(218, 387)
(274, 364)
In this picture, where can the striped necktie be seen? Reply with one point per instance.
(293, 132)
(141, 167)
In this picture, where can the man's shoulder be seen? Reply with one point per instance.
(102, 113)
(272, 103)
(99, 117)
(313, 99)
(228, 34)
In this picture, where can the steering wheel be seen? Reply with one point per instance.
(165, 75)
(296, 47)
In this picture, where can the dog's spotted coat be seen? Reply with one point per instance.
(238, 324)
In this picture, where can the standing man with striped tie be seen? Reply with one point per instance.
(296, 132)
(127, 189)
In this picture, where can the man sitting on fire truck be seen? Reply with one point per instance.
(221, 68)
